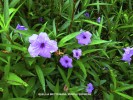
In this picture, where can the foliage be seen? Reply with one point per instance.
(23, 77)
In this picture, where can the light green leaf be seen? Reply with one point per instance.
(13, 3)
(94, 23)
(15, 47)
(90, 51)
(67, 38)
(124, 95)
(76, 97)
(79, 14)
(95, 42)
(125, 87)
(43, 27)
(13, 79)
(54, 28)
(1, 89)
(18, 99)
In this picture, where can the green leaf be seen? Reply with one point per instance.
(124, 95)
(18, 99)
(26, 32)
(79, 14)
(125, 26)
(100, 4)
(69, 72)
(1, 59)
(94, 23)
(50, 85)
(1, 89)
(76, 97)
(76, 89)
(102, 82)
(95, 42)
(125, 87)
(13, 79)
(67, 38)
(40, 76)
(82, 67)
(113, 77)
(12, 15)
(65, 25)
(24, 22)
(56, 90)
(13, 3)
(15, 47)
(63, 76)
(6, 11)
(43, 27)
(54, 28)
(90, 51)
(48, 70)
(31, 84)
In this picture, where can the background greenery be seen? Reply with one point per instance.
(23, 77)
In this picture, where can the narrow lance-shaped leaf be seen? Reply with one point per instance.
(40, 76)
(123, 88)
(82, 67)
(67, 38)
(13, 79)
(124, 95)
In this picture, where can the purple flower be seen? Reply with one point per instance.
(99, 19)
(77, 53)
(41, 19)
(19, 27)
(87, 14)
(84, 38)
(41, 45)
(89, 88)
(66, 61)
(127, 54)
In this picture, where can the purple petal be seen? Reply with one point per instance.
(45, 54)
(53, 46)
(43, 37)
(33, 38)
(34, 51)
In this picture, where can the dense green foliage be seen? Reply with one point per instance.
(23, 77)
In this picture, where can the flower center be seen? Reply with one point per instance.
(42, 45)
(76, 54)
(84, 37)
(66, 61)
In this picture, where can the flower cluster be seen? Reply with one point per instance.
(41, 45)
(127, 54)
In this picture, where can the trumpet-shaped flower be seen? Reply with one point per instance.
(66, 61)
(89, 88)
(84, 38)
(41, 45)
(127, 54)
(77, 53)
(19, 27)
